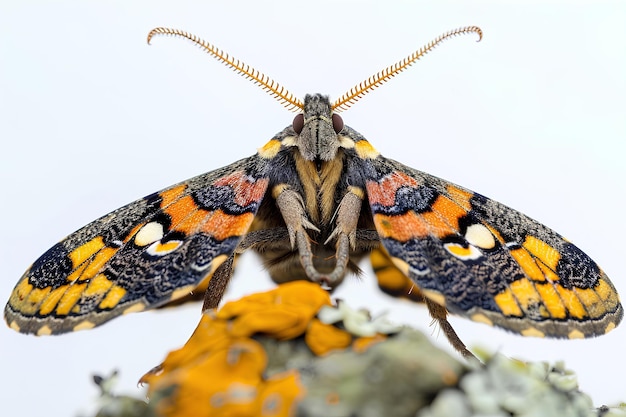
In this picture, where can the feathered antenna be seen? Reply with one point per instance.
(276, 90)
(355, 93)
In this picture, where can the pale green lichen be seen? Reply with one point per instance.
(506, 387)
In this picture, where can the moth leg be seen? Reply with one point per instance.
(264, 239)
(440, 314)
(218, 283)
(291, 207)
(347, 217)
(367, 240)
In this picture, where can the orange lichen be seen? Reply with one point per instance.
(284, 313)
(222, 369)
(361, 344)
(322, 338)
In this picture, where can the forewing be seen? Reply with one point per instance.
(485, 261)
(150, 252)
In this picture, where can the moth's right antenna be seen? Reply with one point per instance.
(355, 93)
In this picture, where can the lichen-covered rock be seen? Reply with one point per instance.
(111, 405)
(395, 377)
(506, 387)
(225, 369)
(291, 352)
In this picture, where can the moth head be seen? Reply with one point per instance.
(317, 128)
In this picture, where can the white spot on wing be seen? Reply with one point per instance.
(478, 235)
(149, 233)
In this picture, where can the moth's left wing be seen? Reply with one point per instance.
(143, 255)
(485, 261)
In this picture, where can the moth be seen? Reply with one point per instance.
(312, 202)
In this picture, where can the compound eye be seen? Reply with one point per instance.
(337, 123)
(298, 123)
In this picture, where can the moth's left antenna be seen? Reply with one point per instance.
(276, 90)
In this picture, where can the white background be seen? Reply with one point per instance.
(91, 118)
